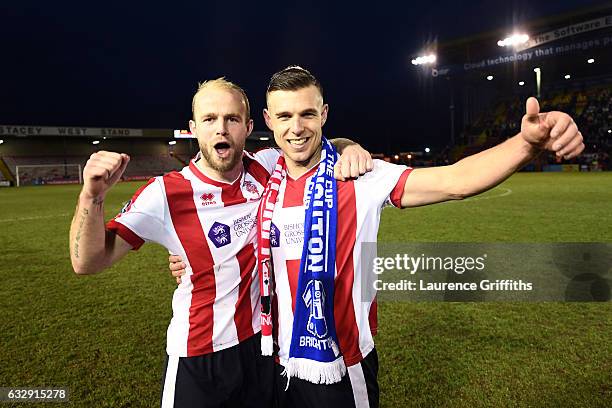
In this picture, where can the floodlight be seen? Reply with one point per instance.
(410, 156)
(521, 83)
(172, 142)
(609, 131)
(490, 78)
(425, 59)
(591, 60)
(427, 150)
(538, 73)
(264, 138)
(95, 142)
(513, 40)
(1, 141)
(567, 76)
(396, 157)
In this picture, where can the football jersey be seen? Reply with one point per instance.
(360, 203)
(211, 225)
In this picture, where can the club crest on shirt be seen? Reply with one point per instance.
(220, 234)
(208, 199)
(252, 190)
(250, 187)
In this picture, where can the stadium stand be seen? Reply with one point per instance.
(5, 173)
(54, 153)
(48, 150)
(565, 62)
(141, 167)
(591, 108)
(148, 166)
(13, 161)
(44, 170)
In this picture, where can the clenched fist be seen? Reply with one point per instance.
(354, 161)
(102, 171)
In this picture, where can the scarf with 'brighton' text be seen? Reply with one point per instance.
(314, 354)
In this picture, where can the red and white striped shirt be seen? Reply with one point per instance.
(211, 225)
(360, 203)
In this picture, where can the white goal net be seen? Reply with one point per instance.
(43, 174)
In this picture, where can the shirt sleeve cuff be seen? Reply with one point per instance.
(124, 232)
(398, 190)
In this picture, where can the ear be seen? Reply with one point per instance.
(268, 119)
(192, 127)
(249, 127)
(324, 114)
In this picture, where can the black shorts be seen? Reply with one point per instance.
(235, 377)
(358, 389)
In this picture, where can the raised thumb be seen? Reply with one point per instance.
(532, 106)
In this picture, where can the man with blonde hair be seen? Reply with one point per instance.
(206, 214)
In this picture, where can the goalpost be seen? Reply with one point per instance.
(43, 174)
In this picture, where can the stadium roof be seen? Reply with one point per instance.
(584, 30)
(538, 25)
(80, 131)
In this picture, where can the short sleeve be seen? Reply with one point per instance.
(141, 219)
(267, 158)
(385, 183)
(395, 198)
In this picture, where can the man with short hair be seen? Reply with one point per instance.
(206, 214)
(312, 228)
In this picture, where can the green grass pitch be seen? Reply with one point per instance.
(103, 336)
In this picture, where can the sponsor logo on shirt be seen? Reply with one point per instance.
(220, 234)
(244, 225)
(208, 199)
(293, 233)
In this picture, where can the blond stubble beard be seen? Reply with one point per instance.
(222, 165)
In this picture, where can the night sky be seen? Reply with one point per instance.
(133, 64)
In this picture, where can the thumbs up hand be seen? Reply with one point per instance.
(553, 131)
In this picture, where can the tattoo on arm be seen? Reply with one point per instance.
(97, 202)
(84, 215)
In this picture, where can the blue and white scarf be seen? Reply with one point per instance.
(314, 353)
